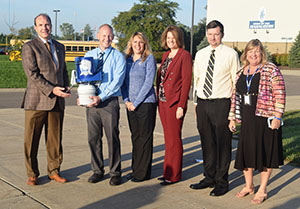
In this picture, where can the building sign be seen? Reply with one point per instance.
(267, 24)
(262, 23)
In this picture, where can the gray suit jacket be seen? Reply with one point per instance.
(43, 75)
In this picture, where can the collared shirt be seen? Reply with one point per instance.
(138, 84)
(226, 65)
(53, 51)
(113, 72)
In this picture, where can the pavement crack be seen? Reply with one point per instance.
(24, 193)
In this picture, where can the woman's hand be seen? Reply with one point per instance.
(275, 124)
(179, 113)
(129, 106)
(232, 126)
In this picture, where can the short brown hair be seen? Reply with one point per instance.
(147, 48)
(251, 45)
(177, 33)
(44, 15)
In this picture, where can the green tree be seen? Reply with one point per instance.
(67, 31)
(199, 34)
(186, 35)
(150, 17)
(88, 33)
(203, 43)
(294, 54)
(27, 33)
(3, 38)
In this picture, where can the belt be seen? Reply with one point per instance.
(212, 100)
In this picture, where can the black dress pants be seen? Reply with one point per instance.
(212, 124)
(141, 124)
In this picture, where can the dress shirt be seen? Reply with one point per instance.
(113, 72)
(225, 69)
(138, 84)
(53, 51)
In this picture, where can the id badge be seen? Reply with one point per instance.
(247, 99)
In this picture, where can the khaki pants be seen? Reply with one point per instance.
(34, 123)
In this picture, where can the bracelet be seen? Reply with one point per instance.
(277, 118)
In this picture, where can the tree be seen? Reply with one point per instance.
(203, 43)
(67, 31)
(27, 33)
(294, 54)
(150, 17)
(199, 34)
(88, 33)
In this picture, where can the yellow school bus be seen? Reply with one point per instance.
(77, 48)
(73, 49)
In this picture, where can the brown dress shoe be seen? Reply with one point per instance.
(32, 181)
(58, 178)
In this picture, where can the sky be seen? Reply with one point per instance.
(20, 13)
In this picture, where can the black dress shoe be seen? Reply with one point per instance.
(161, 178)
(96, 177)
(166, 183)
(136, 180)
(202, 185)
(218, 191)
(115, 180)
(129, 176)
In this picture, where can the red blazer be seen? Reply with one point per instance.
(177, 82)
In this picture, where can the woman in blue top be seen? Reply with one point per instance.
(140, 100)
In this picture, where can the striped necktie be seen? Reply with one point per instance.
(207, 88)
(100, 61)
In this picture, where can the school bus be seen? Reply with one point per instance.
(73, 49)
(77, 48)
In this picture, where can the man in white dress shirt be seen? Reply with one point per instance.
(214, 76)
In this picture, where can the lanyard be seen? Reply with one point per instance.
(248, 83)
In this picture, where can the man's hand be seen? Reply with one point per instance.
(59, 91)
(96, 101)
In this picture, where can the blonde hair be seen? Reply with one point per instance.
(251, 45)
(147, 48)
(177, 33)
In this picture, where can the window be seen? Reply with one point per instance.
(68, 48)
(74, 48)
(92, 47)
(86, 48)
(80, 48)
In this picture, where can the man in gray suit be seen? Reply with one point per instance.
(43, 61)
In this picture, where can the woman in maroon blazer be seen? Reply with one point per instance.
(173, 84)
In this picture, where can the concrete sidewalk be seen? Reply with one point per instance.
(283, 189)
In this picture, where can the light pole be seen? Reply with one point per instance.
(56, 11)
(286, 42)
(192, 27)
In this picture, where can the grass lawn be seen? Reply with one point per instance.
(13, 76)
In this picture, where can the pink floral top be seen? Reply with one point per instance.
(271, 93)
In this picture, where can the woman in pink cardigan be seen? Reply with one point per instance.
(259, 102)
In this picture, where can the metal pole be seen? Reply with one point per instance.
(56, 11)
(192, 27)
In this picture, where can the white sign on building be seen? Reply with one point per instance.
(271, 21)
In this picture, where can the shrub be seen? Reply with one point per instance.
(280, 59)
(158, 56)
(294, 55)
